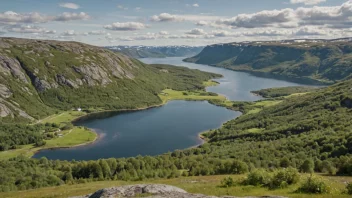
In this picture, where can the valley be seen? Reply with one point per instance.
(237, 126)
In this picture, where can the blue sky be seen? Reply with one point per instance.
(174, 22)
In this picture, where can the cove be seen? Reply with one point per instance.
(175, 125)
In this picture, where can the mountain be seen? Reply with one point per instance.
(39, 77)
(319, 61)
(157, 51)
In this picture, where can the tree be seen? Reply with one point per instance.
(307, 166)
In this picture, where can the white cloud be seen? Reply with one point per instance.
(201, 23)
(196, 31)
(28, 29)
(128, 26)
(195, 5)
(335, 16)
(121, 7)
(10, 17)
(69, 5)
(96, 32)
(69, 33)
(166, 17)
(307, 2)
(330, 16)
(264, 18)
(68, 16)
(138, 8)
(164, 33)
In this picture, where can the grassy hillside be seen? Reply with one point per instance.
(314, 61)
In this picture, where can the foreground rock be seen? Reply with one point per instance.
(151, 191)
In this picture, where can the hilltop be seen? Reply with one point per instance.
(157, 51)
(315, 61)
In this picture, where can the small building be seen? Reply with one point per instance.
(79, 109)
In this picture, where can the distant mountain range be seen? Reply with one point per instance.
(157, 51)
(314, 60)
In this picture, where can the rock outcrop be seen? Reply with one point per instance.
(151, 191)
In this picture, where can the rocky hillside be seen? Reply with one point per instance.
(39, 77)
(323, 61)
(157, 51)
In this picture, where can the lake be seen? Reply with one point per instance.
(173, 126)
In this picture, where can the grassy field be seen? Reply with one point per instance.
(209, 185)
(258, 106)
(210, 83)
(63, 117)
(169, 94)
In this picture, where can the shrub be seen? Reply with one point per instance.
(283, 178)
(314, 185)
(258, 177)
(349, 188)
(227, 182)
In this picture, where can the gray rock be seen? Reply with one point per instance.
(4, 91)
(63, 81)
(12, 66)
(41, 85)
(5, 111)
(151, 191)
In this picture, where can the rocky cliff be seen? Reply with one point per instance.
(321, 61)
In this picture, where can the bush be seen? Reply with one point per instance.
(283, 178)
(257, 178)
(349, 188)
(314, 185)
(227, 182)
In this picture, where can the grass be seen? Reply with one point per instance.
(169, 94)
(210, 83)
(208, 185)
(258, 106)
(63, 117)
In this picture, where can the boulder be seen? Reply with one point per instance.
(151, 191)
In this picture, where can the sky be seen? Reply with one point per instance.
(174, 22)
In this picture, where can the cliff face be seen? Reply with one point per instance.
(323, 61)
